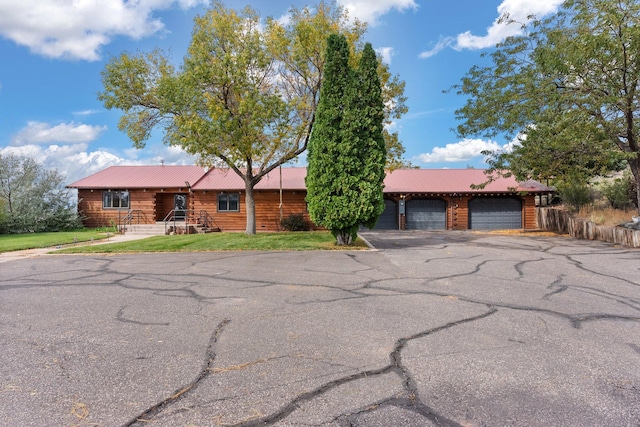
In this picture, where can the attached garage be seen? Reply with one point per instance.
(389, 218)
(426, 214)
(495, 213)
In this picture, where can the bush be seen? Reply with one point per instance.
(575, 194)
(295, 222)
(33, 198)
(619, 192)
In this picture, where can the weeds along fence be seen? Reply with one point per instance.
(561, 221)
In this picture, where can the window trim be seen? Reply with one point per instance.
(227, 197)
(120, 193)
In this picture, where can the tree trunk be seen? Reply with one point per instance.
(250, 205)
(635, 171)
(344, 238)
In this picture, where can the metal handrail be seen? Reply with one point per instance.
(128, 219)
(171, 217)
(203, 218)
(207, 220)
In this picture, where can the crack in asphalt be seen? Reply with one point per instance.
(395, 366)
(120, 317)
(581, 266)
(210, 355)
(519, 266)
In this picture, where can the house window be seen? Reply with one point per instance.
(115, 199)
(228, 202)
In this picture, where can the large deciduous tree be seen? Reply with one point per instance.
(246, 94)
(347, 148)
(568, 87)
(33, 198)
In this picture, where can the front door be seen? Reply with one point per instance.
(180, 206)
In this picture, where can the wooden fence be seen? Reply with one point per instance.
(562, 222)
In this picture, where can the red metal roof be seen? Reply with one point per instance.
(227, 179)
(424, 181)
(128, 177)
(453, 181)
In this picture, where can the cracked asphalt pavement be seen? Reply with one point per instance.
(432, 329)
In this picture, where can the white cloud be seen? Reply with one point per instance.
(386, 53)
(517, 10)
(460, 151)
(370, 10)
(43, 133)
(443, 43)
(76, 162)
(77, 29)
(85, 112)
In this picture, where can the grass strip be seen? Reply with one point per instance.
(284, 241)
(17, 242)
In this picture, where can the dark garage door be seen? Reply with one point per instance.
(388, 220)
(496, 213)
(426, 214)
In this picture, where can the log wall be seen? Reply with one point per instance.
(561, 221)
(267, 209)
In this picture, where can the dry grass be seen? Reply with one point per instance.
(520, 232)
(606, 216)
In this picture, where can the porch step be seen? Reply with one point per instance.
(159, 228)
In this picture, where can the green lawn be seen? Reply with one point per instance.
(16, 242)
(320, 240)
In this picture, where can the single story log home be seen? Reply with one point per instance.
(433, 199)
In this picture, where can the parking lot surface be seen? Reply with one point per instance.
(430, 329)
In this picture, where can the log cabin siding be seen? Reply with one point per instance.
(142, 202)
(152, 205)
(460, 212)
(267, 209)
(530, 221)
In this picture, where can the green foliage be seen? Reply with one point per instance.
(619, 192)
(33, 199)
(574, 193)
(295, 222)
(246, 94)
(567, 88)
(363, 122)
(347, 149)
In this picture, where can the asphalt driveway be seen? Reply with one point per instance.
(432, 329)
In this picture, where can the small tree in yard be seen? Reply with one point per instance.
(32, 198)
(346, 149)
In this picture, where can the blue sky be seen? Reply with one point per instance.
(54, 50)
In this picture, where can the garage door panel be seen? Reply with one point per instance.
(426, 214)
(388, 219)
(495, 213)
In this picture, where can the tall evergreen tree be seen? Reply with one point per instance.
(346, 149)
(364, 124)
